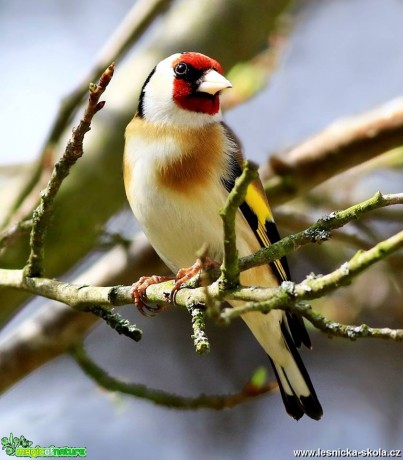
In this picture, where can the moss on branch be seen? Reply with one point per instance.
(289, 295)
(320, 231)
(230, 266)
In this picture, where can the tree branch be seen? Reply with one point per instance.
(320, 231)
(336, 149)
(54, 327)
(287, 296)
(199, 336)
(74, 150)
(82, 296)
(230, 266)
(163, 398)
(115, 321)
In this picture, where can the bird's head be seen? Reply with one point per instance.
(183, 90)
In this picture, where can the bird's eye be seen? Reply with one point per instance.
(181, 68)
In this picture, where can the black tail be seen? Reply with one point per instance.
(296, 388)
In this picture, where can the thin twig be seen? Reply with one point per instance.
(336, 329)
(163, 398)
(74, 151)
(289, 294)
(294, 222)
(80, 297)
(230, 266)
(320, 231)
(115, 321)
(199, 336)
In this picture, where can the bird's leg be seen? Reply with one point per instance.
(184, 275)
(139, 295)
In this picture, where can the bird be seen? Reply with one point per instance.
(181, 161)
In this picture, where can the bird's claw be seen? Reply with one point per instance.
(185, 275)
(139, 295)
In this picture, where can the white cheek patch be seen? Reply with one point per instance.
(159, 106)
(158, 94)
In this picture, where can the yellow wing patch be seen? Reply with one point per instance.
(257, 202)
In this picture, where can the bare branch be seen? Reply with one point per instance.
(36, 341)
(163, 398)
(81, 297)
(289, 294)
(54, 327)
(339, 147)
(230, 267)
(320, 231)
(74, 151)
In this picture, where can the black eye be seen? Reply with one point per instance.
(181, 69)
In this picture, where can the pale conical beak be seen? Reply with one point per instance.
(212, 82)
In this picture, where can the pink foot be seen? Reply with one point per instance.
(186, 274)
(139, 293)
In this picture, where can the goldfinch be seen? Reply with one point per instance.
(180, 162)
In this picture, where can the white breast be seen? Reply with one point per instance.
(176, 225)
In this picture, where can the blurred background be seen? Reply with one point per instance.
(333, 59)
